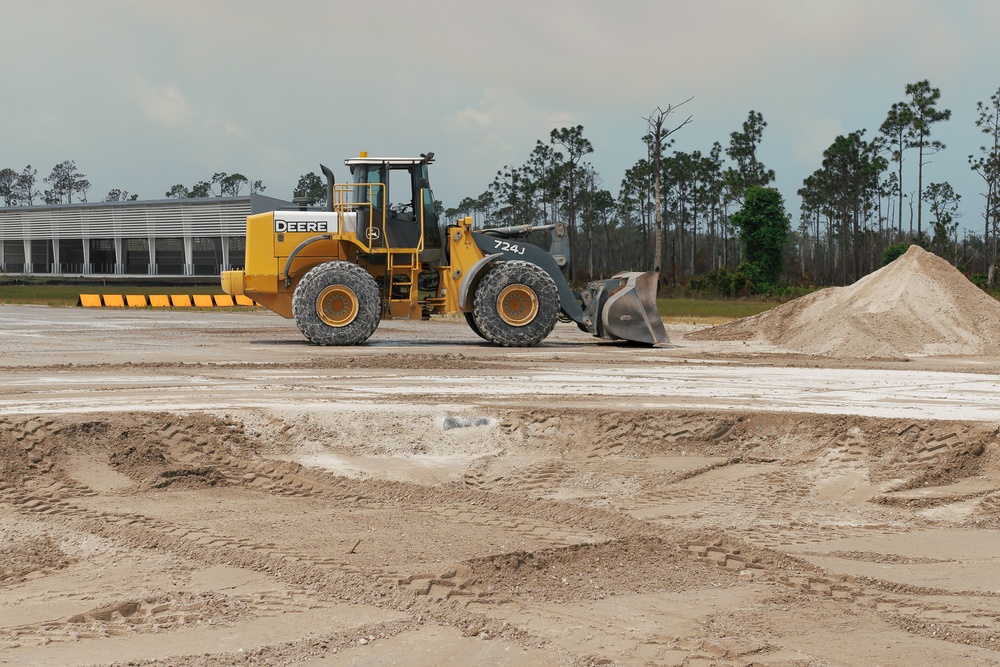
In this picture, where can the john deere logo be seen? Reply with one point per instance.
(373, 234)
(290, 227)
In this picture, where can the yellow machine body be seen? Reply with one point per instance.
(377, 251)
(272, 270)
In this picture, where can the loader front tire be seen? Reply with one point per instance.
(516, 304)
(337, 303)
(472, 325)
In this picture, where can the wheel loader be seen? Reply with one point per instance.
(377, 251)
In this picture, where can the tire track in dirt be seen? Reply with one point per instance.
(144, 532)
(156, 613)
(445, 593)
(760, 492)
(203, 545)
(458, 506)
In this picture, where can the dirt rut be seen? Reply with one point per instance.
(535, 536)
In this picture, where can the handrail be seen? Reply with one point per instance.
(341, 193)
(341, 205)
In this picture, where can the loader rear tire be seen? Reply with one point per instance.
(516, 304)
(337, 303)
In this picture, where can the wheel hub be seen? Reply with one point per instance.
(517, 305)
(337, 305)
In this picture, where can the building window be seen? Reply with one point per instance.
(136, 256)
(41, 256)
(237, 251)
(102, 255)
(170, 257)
(206, 255)
(71, 255)
(13, 256)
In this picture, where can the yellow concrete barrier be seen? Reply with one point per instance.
(159, 300)
(163, 301)
(202, 300)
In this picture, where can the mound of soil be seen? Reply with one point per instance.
(917, 305)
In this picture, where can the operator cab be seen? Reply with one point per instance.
(397, 191)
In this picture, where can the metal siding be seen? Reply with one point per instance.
(207, 217)
(162, 222)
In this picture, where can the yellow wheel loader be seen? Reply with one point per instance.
(376, 251)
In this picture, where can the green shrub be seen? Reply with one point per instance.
(722, 283)
(893, 252)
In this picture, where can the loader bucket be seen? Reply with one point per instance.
(630, 312)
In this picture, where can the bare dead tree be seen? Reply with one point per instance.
(656, 139)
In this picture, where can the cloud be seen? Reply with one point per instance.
(233, 130)
(505, 109)
(812, 135)
(194, 95)
(471, 117)
(167, 105)
(501, 129)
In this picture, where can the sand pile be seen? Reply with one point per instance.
(917, 305)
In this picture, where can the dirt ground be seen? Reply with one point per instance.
(202, 489)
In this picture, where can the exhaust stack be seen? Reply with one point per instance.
(330, 180)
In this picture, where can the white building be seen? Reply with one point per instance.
(169, 237)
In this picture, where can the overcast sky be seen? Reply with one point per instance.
(143, 95)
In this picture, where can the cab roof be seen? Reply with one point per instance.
(389, 160)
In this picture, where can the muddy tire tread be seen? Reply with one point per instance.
(487, 319)
(322, 276)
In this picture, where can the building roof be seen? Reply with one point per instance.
(160, 218)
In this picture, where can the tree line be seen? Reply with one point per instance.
(65, 182)
(677, 210)
(862, 200)
(22, 188)
(220, 185)
(673, 211)
(681, 211)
